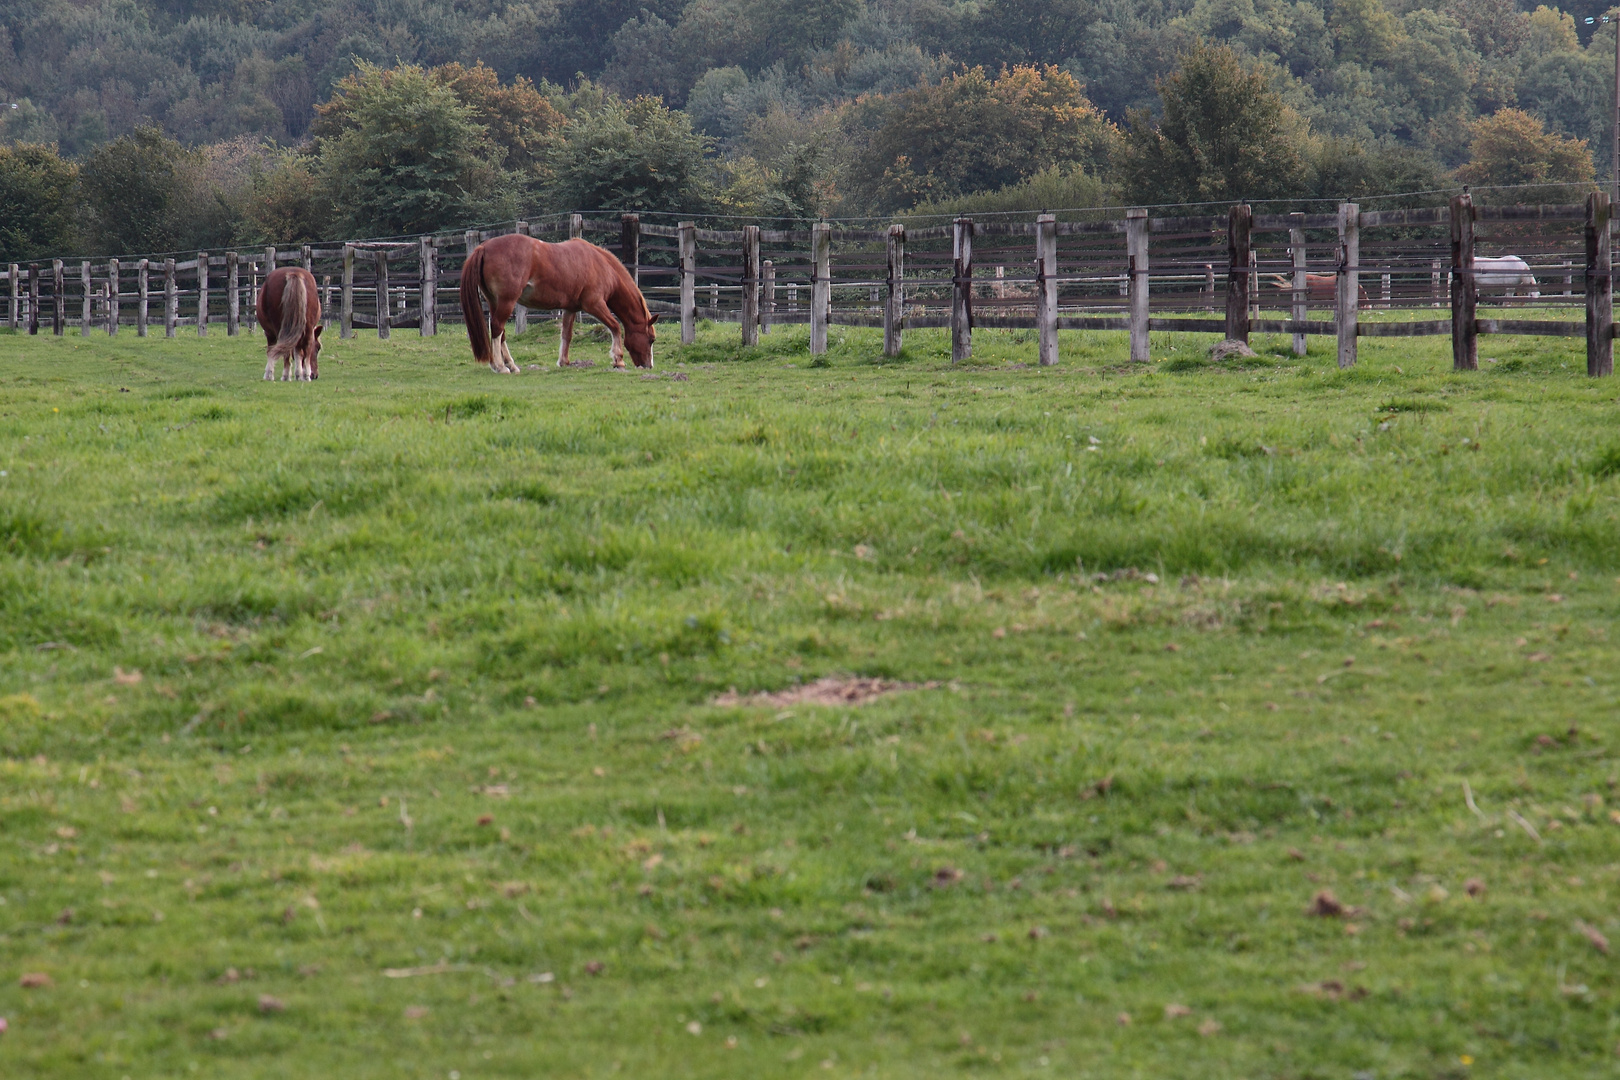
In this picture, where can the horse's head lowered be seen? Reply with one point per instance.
(638, 341)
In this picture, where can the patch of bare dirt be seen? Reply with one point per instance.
(830, 690)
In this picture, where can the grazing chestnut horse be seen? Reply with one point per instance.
(572, 277)
(290, 313)
(1322, 288)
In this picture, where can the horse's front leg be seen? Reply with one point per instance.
(269, 368)
(565, 336)
(616, 332)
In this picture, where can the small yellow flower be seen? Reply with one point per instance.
(55, 410)
(1466, 1059)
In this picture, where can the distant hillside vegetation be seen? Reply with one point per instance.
(762, 108)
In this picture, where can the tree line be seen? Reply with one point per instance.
(1415, 72)
(407, 149)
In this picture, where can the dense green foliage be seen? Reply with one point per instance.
(399, 153)
(635, 155)
(37, 199)
(1364, 69)
(1224, 137)
(415, 669)
(973, 132)
(285, 122)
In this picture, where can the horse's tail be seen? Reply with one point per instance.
(472, 306)
(1278, 280)
(293, 315)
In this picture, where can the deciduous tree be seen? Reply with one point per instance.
(1225, 135)
(1512, 148)
(37, 201)
(130, 188)
(399, 152)
(627, 155)
(974, 133)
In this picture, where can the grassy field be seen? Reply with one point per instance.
(378, 727)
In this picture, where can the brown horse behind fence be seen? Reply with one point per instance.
(572, 277)
(290, 313)
(1320, 288)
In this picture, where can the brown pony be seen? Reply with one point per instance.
(572, 277)
(1322, 288)
(290, 314)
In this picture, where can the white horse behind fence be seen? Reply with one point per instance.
(1508, 273)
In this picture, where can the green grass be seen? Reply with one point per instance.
(1207, 642)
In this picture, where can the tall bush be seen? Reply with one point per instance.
(1225, 135)
(37, 202)
(399, 152)
(973, 133)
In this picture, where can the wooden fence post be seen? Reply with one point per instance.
(630, 245)
(1300, 308)
(1046, 288)
(470, 238)
(1464, 289)
(85, 316)
(115, 295)
(894, 307)
(1347, 297)
(13, 275)
(427, 257)
(1599, 287)
(171, 299)
(202, 294)
(520, 314)
(1238, 223)
(767, 307)
(346, 299)
(820, 285)
(576, 226)
(233, 295)
(306, 255)
(33, 298)
(253, 294)
(961, 290)
(59, 301)
(687, 239)
(143, 294)
(1136, 256)
(383, 299)
(750, 285)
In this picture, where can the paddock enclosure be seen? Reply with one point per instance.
(1395, 273)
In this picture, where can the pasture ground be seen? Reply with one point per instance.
(413, 670)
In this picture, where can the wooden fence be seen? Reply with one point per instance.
(1350, 274)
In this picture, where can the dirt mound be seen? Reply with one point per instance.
(826, 691)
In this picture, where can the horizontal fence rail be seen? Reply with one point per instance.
(1346, 275)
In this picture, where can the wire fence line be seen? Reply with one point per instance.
(1350, 273)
